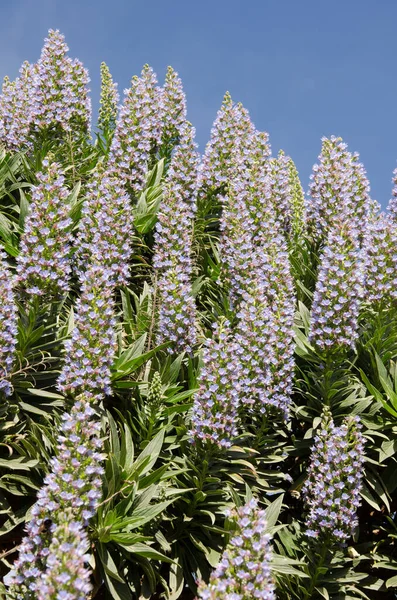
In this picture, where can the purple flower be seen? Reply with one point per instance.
(216, 404)
(234, 142)
(332, 489)
(173, 247)
(339, 289)
(244, 571)
(16, 108)
(138, 131)
(287, 194)
(8, 325)
(339, 186)
(381, 260)
(91, 349)
(43, 266)
(173, 103)
(100, 239)
(53, 554)
(255, 265)
(109, 102)
(60, 89)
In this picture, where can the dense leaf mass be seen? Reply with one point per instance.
(198, 361)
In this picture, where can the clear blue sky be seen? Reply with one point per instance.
(304, 68)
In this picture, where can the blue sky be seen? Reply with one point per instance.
(304, 69)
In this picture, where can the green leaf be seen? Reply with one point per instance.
(150, 454)
(273, 511)
(18, 464)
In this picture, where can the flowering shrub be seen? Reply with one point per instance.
(198, 378)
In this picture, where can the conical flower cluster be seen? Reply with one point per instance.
(381, 260)
(172, 259)
(287, 195)
(173, 102)
(52, 93)
(16, 107)
(339, 185)
(109, 101)
(43, 264)
(91, 348)
(60, 96)
(243, 572)
(255, 264)
(216, 404)
(8, 325)
(53, 557)
(100, 239)
(265, 330)
(332, 489)
(234, 143)
(339, 290)
(138, 131)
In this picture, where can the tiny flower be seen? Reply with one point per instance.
(138, 131)
(53, 554)
(216, 404)
(100, 239)
(235, 577)
(381, 260)
(339, 187)
(172, 259)
(91, 348)
(8, 325)
(60, 94)
(339, 289)
(332, 489)
(234, 141)
(43, 265)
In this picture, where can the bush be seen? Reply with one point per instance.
(198, 361)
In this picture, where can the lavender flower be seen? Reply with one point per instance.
(173, 247)
(381, 260)
(16, 108)
(91, 349)
(339, 185)
(216, 404)
(109, 102)
(243, 572)
(247, 210)
(234, 143)
(138, 131)
(56, 543)
(255, 264)
(339, 290)
(60, 92)
(332, 489)
(8, 326)
(173, 102)
(287, 194)
(43, 266)
(100, 239)
(264, 330)
(67, 575)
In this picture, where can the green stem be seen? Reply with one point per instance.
(318, 566)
